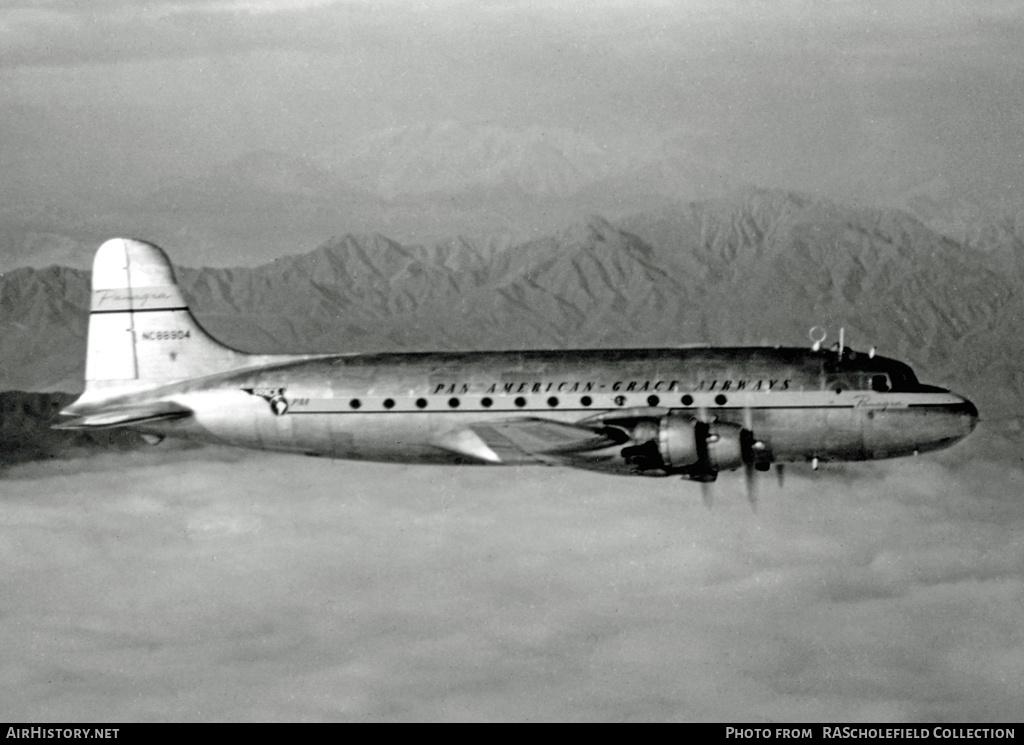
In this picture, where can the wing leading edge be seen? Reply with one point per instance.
(527, 440)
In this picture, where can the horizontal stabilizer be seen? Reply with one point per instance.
(127, 416)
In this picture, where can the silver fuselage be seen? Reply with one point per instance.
(800, 404)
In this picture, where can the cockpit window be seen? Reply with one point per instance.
(900, 378)
(877, 382)
(879, 374)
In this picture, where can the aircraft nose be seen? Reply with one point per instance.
(957, 419)
(967, 414)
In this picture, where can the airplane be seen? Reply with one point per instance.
(689, 411)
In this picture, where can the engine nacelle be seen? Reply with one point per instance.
(725, 445)
(681, 441)
(683, 444)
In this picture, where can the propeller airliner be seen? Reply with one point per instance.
(691, 412)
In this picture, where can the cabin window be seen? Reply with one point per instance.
(355, 403)
(389, 403)
(520, 402)
(586, 401)
(421, 403)
(552, 402)
(880, 383)
(620, 400)
(453, 402)
(721, 400)
(687, 400)
(486, 402)
(653, 400)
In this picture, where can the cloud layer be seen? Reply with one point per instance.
(209, 584)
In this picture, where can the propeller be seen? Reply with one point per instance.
(706, 490)
(706, 494)
(750, 482)
(749, 448)
(780, 474)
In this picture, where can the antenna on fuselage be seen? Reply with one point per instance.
(817, 335)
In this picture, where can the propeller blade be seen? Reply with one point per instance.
(750, 480)
(780, 473)
(705, 494)
(749, 444)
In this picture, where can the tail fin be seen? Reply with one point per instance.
(141, 333)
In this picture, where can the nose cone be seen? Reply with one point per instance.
(921, 428)
(959, 420)
(968, 414)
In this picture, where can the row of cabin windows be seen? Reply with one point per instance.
(553, 402)
(878, 383)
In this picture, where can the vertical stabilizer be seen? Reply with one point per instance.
(141, 333)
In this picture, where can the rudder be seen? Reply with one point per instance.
(141, 332)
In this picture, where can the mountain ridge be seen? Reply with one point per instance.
(761, 267)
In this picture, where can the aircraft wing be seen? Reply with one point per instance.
(526, 440)
(126, 416)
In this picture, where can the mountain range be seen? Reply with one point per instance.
(757, 267)
(423, 184)
(416, 184)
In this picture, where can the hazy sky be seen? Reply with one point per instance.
(214, 584)
(225, 585)
(859, 99)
